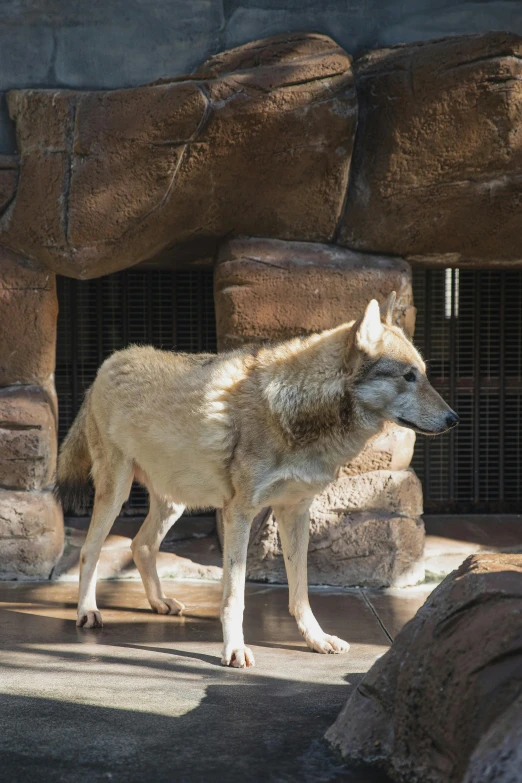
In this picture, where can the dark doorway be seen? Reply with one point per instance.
(165, 308)
(469, 328)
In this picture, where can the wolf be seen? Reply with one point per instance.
(260, 426)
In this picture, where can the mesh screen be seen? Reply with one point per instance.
(173, 310)
(469, 327)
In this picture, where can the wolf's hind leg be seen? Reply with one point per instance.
(145, 546)
(293, 523)
(112, 475)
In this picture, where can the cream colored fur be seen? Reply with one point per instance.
(238, 431)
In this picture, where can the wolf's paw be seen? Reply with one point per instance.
(167, 606)
(327, 644)
(237, 657)
(90, 618)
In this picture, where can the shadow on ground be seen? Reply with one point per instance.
(231, 736)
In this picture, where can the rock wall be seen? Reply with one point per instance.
(411, 153)
(444, 704)
(437, 172)
(108, 179)
(108, 44)
(31, 526)
(258, 141)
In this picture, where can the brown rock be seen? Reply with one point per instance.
(452, 673)
(364, 530)
(108, 179)
(266, 289)
(31, 534)
(26, 407)
(27, 438)
(28, 313)
(438, 167)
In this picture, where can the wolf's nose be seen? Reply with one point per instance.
(452, 419)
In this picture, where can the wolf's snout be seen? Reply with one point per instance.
(452, 419)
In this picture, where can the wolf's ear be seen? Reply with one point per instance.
(369, 331)
(387, 309)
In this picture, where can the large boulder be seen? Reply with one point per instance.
(258, 140)
(364, 530)
(31, 534)
(437, 169)
(442, 705)
(498, 756)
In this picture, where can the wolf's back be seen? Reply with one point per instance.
(73, 487)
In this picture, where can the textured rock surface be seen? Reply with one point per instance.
(272, 290)
(27, 438)
(498, 756)
(438, 166)
(8, 179)
(28, 312)
(31, 534)
(451, 676)
(364, 530)
(110, 178)
(390, 449)
(31, 525)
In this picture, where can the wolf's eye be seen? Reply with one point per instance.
(410, 377)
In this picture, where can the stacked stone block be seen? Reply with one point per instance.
(366, 527)
(31, 527)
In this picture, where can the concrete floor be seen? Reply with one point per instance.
(145, 698)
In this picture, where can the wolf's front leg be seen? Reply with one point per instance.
(293, 523)
(236, 534)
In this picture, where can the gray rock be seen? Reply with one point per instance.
(443, 704)
(498, 756)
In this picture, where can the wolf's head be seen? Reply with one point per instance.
(391, 377)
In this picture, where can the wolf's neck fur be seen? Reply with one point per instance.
(308, 385)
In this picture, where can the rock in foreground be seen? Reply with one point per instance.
(436, 707)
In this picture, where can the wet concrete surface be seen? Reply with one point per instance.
(146, 699)
(451, 538)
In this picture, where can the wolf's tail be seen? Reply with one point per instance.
(73, 485)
